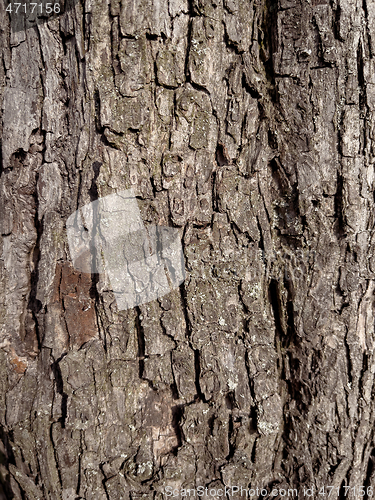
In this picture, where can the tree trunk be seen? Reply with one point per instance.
(249, 127)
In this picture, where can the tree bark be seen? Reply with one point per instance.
(249, 126)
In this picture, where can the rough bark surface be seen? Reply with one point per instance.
(248, 125)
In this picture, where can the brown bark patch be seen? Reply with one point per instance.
(159, 419)
(72, 292)
(18, 364)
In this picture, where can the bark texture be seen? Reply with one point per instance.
(248, 125)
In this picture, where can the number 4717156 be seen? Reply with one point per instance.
(48, 8)
(359, 490)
